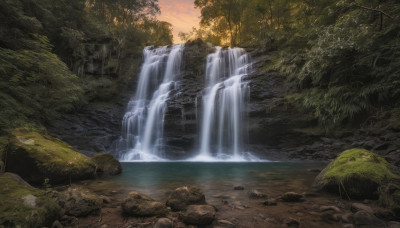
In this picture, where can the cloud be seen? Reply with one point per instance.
(181, 14)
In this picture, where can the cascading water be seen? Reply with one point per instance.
(142, 125)
(223, 104)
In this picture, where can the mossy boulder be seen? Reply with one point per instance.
(79, 202)
(107, 164)
(36, 157)
(137, 204)
(181, 197)
(356, 173)
(22, 205)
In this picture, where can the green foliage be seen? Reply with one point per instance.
(35, 85)
(56, 56)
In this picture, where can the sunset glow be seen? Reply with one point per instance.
(181, 14)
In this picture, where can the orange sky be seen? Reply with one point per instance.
(181, 14)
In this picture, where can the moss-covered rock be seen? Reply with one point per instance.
(79, 202)
(37, 157)
(356, 173)
(21, 205)
(107, 164)
(137, 204)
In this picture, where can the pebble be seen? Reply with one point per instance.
(291, 197)
(256, 194)
(238, 188)
(329, 208)
(361, 207)
(270, 202)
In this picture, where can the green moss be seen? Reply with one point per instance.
(36, 157)
(359, 162)
(14, 212)
(107, 164)
(356, 173)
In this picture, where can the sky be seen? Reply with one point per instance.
(181, 14)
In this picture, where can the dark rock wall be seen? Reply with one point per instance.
(277, 129)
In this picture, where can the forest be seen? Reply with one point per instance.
(268, 113)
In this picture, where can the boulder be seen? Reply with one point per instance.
(137, 204)
(164, 223)
(36, 157)
(366, 218)
(107, 164)
(22, 205)
(199, 215)
(355, 173)
(181, 197)
(255, 194)
(291, 197)
(79, 202)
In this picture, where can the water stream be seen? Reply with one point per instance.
(142, 125)
(221, 119)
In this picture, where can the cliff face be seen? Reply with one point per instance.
(277, 128)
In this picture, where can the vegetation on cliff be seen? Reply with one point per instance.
(56, 56)
(341, 57)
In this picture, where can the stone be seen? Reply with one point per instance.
(366, 218)
(238, 188)
(163, 223)
(181, 197)
(107, 164)
(105, 199)
(79, 202)
(393, 224)
(255, 194)
(329, 208)
(270, 202)
(199, 215)
(348, 226)
(359, 172)
(347, 217)
(137, 204)
(291, 197)
(291, 222)
(361, 207)
(22, 205)
(57, 224)
(36, 157)
(67, 220)
(226, 223)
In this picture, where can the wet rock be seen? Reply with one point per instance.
(255, 194)
(385, 214)
(68, 220)
(347, 218)
(393, 224)
(56, 224)
(361, 207)
(270, 202)
(366, 218)
(105, 199)
(79, 202)
(226, 223)
(291, 222)
(137, 204)
(181, 197)
(238, 188)
(163, 223)
(107, 164)
(329, 208)
(199, 215)
(348, 226)
(291, 197)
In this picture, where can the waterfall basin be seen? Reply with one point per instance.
(217, 181)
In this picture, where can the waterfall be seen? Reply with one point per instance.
(223, 103)
(142, 125)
